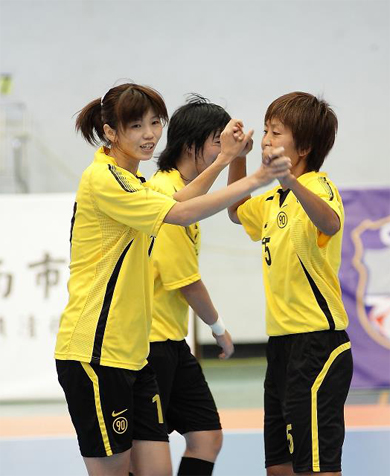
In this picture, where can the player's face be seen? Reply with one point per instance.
(211, 149)
(140, 138)
(276, 134)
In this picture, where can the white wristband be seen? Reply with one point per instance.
(218, 327)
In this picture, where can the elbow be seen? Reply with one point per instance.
(333, 226)
(180, 215)
(232, 212)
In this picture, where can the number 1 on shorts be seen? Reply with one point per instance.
(156, 399)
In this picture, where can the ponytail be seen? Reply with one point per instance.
(89, 123)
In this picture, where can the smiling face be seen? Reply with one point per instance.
(140, 138)
(136, 142)
(276, 134)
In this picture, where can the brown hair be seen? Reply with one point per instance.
(312, 122)
(119, 106)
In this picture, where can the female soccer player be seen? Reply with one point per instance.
(300, 227)
(193, 144)
(103, 339)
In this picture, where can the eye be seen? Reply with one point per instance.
(136, 126)
(156, 122)
(276, 133)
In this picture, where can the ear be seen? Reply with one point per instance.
(303, 153)
(110, 133)
(190, 151)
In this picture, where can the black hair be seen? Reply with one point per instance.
(191, 125)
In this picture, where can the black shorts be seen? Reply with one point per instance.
(306, 385)
(187, 402)
(110, 407)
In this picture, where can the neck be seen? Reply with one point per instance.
(123, 160)
(300, 168)
(187, 169)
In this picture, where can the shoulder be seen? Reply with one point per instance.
(258, 200)
(105, 176)
(166, 182)
(320, 184)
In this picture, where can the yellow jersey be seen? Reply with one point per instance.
(108, 316)
(175, 263)
(300, 264)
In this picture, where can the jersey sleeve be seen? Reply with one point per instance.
(175, 257)
(327, 191)
(250, 214)
(123, 198)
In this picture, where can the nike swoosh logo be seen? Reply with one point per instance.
(119, 413)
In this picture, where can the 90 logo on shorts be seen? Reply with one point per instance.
(120, 425)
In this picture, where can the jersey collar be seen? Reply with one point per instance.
(102, 158)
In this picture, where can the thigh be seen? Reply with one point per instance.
(192, 406)
(163, 360)
(100, 402)
(319, 377)
(276, 439)
(149, 419)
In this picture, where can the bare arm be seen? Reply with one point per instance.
(199, 208)
(233, 142)
(199, 299)
(203, 182)
(237, 170)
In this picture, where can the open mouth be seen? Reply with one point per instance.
(148, 146)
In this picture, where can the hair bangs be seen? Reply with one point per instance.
(136, 101)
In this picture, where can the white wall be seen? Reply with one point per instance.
(241, 55)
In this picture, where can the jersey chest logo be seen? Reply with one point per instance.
(282, 219)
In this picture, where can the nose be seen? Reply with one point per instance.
(148, 132)
(267, 142)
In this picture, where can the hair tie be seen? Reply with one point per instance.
(104, 95)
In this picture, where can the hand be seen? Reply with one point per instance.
(271, 153)
(234, 142)
(274, 166)
(225, 341)
(248, 147)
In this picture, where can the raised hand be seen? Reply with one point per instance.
(275, 165)
(234, 141)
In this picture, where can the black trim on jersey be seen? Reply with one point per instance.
(72, 222)
(151, 245)
(283, 195)
(102, 322)
(141, 179)
(188, 233)
(269, 198)
(319, 298)
(327, 187)
(126, 186)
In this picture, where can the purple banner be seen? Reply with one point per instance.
(365, 283)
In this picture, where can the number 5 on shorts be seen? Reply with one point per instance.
(290, 439)
(156, 399)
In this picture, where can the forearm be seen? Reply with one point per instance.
(202, 183)
(199, 299)
(199, 208)
(237, 170)
(319, 212)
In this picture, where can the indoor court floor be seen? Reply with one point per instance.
(37, 439)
